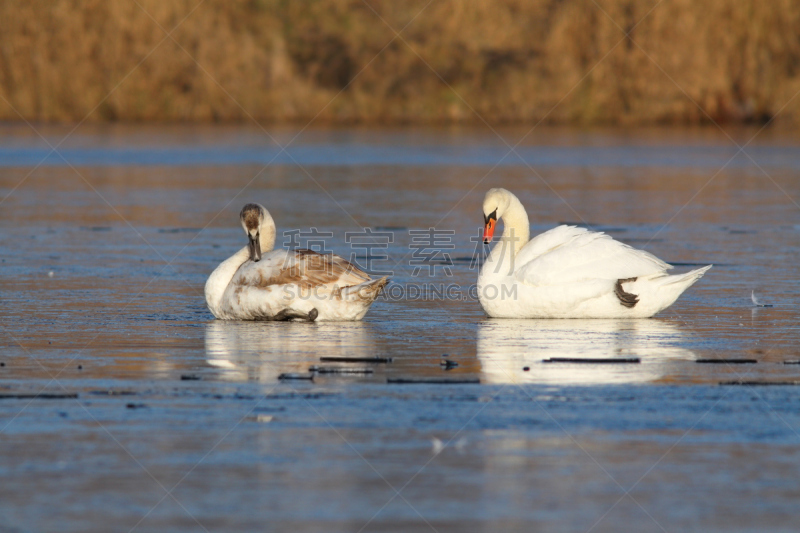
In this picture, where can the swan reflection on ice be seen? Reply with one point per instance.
(262, 351)
(505, 347)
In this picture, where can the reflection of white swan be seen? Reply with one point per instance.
(506, 346)
(264, 350)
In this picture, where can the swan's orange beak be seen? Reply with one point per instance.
(488, 230)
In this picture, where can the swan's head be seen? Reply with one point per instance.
(260, 229)
(494, 205)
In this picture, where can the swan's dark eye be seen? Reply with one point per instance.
(490, 216)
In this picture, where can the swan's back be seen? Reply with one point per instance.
(567, 254)
(305, 269)
(299, 281)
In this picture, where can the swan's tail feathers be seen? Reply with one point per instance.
(688, 279)
(367, 291)
(659, 291)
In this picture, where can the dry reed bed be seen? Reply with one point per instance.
(564, 61)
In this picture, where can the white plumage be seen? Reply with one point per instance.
(569, 272)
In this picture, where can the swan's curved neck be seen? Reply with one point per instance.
(267, 237)
(219, 279)
(516, 230)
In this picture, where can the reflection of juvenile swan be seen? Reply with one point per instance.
(506, 346)
(264, 350)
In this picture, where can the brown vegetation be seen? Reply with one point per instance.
(502, 60)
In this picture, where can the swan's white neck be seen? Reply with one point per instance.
(267, 234)
(516, 233)
(219, 280)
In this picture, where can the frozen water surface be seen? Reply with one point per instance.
(161, 418)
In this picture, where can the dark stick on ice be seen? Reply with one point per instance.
(339, 370)
(41, 396)
(727, 361)
(433, 381)
(356, 359)
(611, 360)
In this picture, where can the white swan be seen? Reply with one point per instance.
(569, 272)
(257, 283)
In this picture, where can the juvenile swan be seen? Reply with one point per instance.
(259, 283)
(569, 272)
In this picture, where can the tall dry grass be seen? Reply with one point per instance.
(502, 60)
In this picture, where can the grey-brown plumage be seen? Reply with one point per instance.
(627, 299)
(250, 216)
(261, 283)
(309, 270)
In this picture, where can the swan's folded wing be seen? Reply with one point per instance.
(306, 269)
(568, 254)
(557, 237)
(317, 269)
